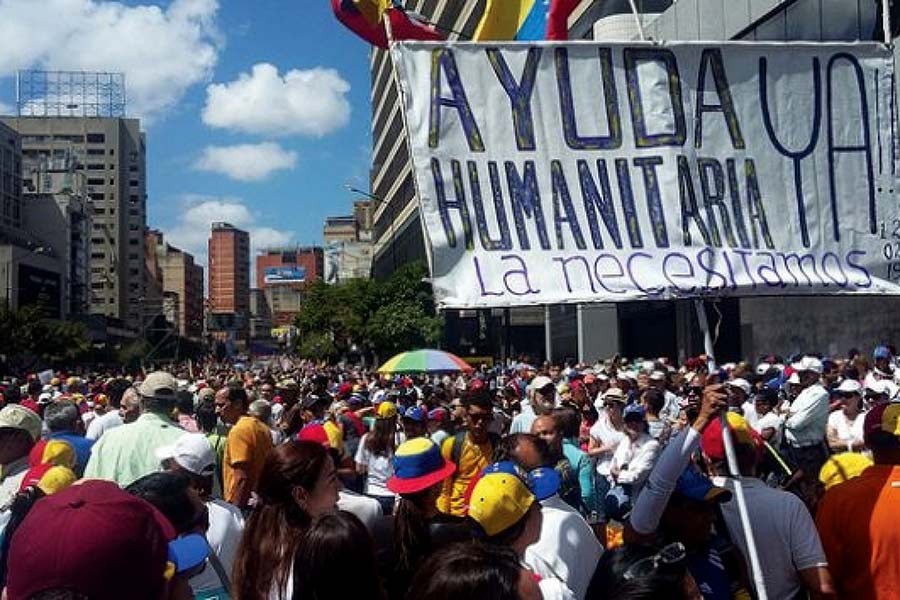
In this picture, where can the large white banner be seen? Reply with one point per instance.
(581, 172)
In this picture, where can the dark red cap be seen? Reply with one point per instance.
(314, 433)
(93, 538)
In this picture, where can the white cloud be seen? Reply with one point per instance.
(246, 162)
(162, 51)
(7, 109)
(191, 233)
(309, 102)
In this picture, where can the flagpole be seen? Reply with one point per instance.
(731, 458)
(637, 19)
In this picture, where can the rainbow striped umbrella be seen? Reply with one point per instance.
(425, 361)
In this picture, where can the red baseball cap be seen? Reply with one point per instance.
(314, 433)
(92, 538)
(713, 444)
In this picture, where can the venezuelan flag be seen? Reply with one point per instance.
(513, 20)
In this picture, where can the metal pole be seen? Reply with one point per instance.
(548, 340)
(637, 19)
(886, 21)
(731, 457)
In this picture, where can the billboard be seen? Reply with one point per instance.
(276, 275)
(586, 172)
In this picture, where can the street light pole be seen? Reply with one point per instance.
(381, 201)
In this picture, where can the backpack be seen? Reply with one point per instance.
(460, 439)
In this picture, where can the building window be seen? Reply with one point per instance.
(97, 209)
(97, 285)
(97, 240)
(96, 181)
(134, 183)
(98, 255)
(133, 272)
(96, 138)
(97, 196)
(132, 256)
(132, 242)
(96, 167)
(96, 151)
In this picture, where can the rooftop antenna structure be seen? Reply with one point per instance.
(70, 94)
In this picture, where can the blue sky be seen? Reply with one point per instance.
(227, 89)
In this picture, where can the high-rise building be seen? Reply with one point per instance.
(10, 178)
(181, 286)
(282, 274)
(109, 153)
(229, 279)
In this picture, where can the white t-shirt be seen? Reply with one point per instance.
(750, 415)
(847, 431)
(366, 509)
(224, 534)
(635, 460)
(378, 469)
(603, 432)
(567, 550)
(103, 423)
(770, 421)
(783, 530)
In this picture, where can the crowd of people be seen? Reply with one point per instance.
(282, 479)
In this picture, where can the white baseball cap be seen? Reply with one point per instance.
(762, 368)
(540, 382)
(741, 384)
(849, 386)
(192, 452)
(808, 363)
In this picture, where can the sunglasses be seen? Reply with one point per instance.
(670, 556)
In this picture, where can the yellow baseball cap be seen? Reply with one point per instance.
(386, 410)
(499, 501)
(843, 467)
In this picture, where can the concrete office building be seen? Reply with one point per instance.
(110, 154)
(282, 275)
(180, 286)
(229, 280)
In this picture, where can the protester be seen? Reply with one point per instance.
(606, 435)
(635, 572)
(631, 463)
(333, 545)
(471, 450)
(567, 548)
(207, 422)
(858, 519)
(20, 428)
(790, 553)
(64, 423)
(112, 417)
(297, 484)
(768, 423)
(246, 448)
(97, 541)
(474, 571)
(417, 528)
(414, 422)
(506, 513)
(546, 427)
(375, 453)
(439, 427)
(845, 426)
(567, 422)
(192, 455)
(184, 411)
(807, 419)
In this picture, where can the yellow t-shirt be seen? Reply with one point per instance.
(248, 444)
(472, 460)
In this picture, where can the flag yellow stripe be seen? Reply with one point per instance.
(502, 19)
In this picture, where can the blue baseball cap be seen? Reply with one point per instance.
(635, 411)
(188, 552)
(693, 485)
(543, 482)
(881, 352)
(415, 413)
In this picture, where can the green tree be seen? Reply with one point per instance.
(372, 317)
(27, 338)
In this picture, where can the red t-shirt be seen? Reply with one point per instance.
(860, 531)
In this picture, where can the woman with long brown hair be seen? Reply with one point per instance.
(374, 455)
(298, 483)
